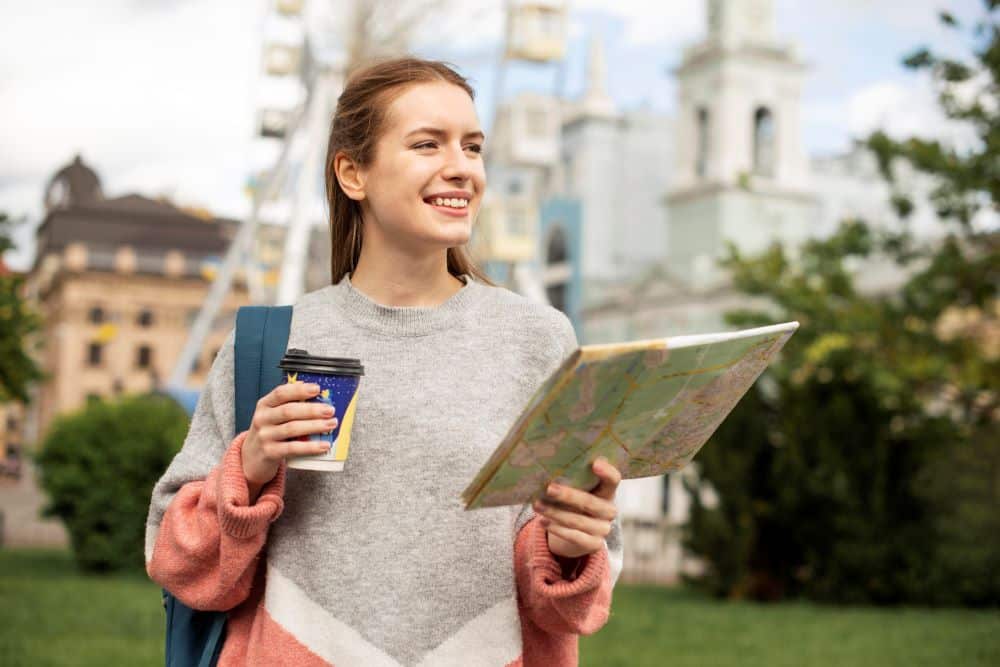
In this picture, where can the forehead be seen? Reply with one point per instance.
(439, 104)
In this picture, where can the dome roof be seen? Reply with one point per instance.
(73, 185)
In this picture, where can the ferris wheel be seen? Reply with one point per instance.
(299, 77)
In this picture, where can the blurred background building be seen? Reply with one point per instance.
(616, 217)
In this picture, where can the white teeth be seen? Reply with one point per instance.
(453, 203)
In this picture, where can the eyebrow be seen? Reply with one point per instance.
(435, 132)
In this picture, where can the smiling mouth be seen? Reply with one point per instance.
(455, 203)
(456, 208)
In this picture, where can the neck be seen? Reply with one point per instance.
(394, 279)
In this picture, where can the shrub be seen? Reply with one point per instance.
(99, 465)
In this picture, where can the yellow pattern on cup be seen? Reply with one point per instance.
(344, 437)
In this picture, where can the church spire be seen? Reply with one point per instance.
(596, 100)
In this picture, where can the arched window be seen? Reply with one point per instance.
(704, 143)
(763, 142)
(556, 253)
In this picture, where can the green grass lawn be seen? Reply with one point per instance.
(51, 615)
(680, 628)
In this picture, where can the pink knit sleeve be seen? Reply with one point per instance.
(551, 603)
(210, 538)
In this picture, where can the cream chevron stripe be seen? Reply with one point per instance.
(492, 639)
(316, 628)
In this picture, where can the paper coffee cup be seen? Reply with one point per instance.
(338, 379)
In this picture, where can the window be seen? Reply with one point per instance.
(557, 296)
(145, 318)
(763, 142)
(96, 315)
(704, 143)
(665, 503)
(11, 423)
(144, 357)
(557, 250)
(95, 354)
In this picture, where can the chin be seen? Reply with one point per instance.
(459, 235)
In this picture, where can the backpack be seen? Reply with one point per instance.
(195, 638)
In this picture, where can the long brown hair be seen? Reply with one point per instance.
(357, 123)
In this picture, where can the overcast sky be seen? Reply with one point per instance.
(160, 96)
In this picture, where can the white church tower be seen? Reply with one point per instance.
(741, 173)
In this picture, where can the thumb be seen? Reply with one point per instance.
(610, 478)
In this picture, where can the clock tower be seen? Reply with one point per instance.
(741, 173)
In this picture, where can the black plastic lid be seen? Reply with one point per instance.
(300, 360)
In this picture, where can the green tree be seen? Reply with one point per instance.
(98, 467)
(17, 323)
(866, 464)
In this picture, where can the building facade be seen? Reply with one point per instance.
(118, 283)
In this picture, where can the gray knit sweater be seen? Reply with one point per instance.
(382, 558)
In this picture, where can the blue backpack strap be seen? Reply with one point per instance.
(261, 340)
(196, 637)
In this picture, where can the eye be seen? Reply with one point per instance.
(426, 144)
(475, 148)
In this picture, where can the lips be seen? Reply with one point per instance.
(450, 211)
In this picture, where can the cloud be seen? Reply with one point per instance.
(670, 24)
(903, 109)
(134, 88)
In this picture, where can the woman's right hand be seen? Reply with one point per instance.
(280, 416)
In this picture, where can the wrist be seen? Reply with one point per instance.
(568, 565)
(255, 474)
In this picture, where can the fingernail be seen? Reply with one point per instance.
(553, 490)
(314, 388)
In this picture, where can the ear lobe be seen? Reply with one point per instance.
(350, 177)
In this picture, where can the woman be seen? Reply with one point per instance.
(379, 564)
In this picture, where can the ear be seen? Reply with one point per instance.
(350, 176)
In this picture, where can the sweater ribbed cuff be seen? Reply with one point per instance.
(237, 516)
(546, 572)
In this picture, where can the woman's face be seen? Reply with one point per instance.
(425, 184)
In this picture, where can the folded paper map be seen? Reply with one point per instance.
(647, 406)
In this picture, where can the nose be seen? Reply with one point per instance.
(457, 165)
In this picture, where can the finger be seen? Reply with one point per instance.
(296, 429)
(610, 478)
(303, 448)
(575, 537)
(581, 501)
(293, 391)
(296, 410)
(582, 522)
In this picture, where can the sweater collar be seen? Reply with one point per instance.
(404, 320)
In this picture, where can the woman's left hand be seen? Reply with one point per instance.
(578, 521)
